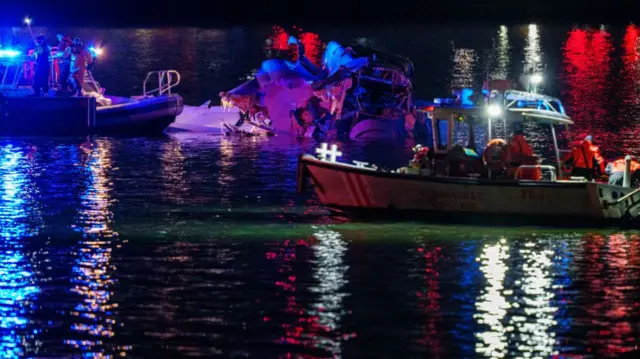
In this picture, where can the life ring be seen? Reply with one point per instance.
(495, 152)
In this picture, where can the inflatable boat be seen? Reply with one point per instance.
(133, 116)
(22, 114)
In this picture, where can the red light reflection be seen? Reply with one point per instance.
(303, 330)
(587, 66)
(630, 75)
(313, 46)
(429, 302)
(279, 38)
(608, 277)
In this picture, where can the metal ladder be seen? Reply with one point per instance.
(167, 79)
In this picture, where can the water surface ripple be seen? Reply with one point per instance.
(199, 246)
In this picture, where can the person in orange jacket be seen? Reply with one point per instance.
(586, 159)
(518, 146)
(616, 169)
(519, 152)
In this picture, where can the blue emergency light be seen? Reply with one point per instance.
(9, 53)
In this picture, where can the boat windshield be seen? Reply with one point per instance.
(540, 105)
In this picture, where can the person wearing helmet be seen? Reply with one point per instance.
(42, 70)
(586, 160)
(79, 59)
(616, 170)
(64, 42)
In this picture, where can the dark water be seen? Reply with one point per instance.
(199, 246)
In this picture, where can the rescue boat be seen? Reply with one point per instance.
(356, 189)
(93, 113)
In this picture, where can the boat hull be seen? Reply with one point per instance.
(348, 189)
(205, 119)
(78, 116)
(149, 116)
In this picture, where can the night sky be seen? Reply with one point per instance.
(211, 13)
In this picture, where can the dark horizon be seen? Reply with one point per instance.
(162, 13)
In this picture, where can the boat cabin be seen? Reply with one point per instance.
(469, 124)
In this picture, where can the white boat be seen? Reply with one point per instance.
(358, 188)
(205, 119)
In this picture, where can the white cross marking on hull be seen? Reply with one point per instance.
(333, 153)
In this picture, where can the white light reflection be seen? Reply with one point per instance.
(173, 172)
(329, 271)
(501, 49)
(225, 178)
(19, 218)
(464, 61)
(93, 270)
(532, 324)
(532, 51)
(492, 304)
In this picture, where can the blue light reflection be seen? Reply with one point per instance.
(18, 220)
(92, 271)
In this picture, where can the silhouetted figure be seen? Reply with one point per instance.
(43, 68)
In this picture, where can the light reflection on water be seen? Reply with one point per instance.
(174, 173)
(429, 301)
(501, 49)
(463, 70)
(200, 276)
(492, 305)
(533, 59)
(19, 220)
(532, 326)
(330, 274)
(93, 271)
(198, 246)
(611, 332)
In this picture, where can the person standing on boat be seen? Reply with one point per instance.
(79, 57)
(616, 170)
(64, 42)
(43, 68)
(586, 160)
(519, 153)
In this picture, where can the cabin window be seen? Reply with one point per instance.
(461, 133)
(443, 134)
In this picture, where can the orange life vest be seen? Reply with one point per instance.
(584, 155)
(518, 146)
(619, 165)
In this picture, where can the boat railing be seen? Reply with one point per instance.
(551, 169)
(90, 83)
(167, 79)
(11, 80)
(630, 201)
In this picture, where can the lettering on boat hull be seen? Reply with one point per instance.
(363, 190)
